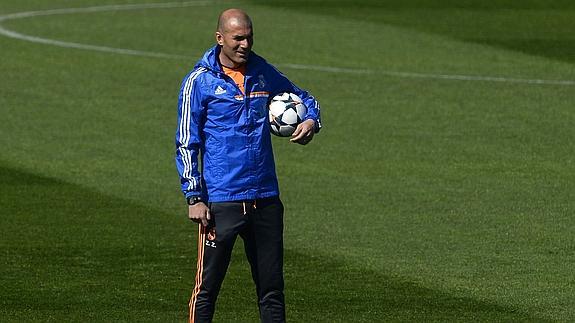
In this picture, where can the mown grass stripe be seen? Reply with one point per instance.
(330, 69)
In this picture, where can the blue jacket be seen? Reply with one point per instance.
(230, 131)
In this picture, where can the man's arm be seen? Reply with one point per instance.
(188, 143)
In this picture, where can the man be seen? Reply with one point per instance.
(223, 121)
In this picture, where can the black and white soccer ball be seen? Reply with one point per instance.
(286, 111)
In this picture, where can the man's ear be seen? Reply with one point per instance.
(219, 38)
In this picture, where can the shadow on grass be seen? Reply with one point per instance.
(72, 254)
(559, 49)
(462, 29)
(321, 289)
(333, 291)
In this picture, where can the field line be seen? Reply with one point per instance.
(428, 76)
(114, 50)
(166, 5)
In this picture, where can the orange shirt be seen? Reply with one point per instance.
(238, 75)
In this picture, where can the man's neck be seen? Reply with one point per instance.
(225, 62)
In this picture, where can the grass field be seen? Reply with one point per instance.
(441, 188)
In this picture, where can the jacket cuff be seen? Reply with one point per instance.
(316, 124)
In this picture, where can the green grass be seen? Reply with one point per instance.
(421, 200)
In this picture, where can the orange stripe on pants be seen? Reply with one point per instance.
(199, 272)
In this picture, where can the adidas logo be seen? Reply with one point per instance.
(219, 90)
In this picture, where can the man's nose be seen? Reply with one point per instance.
(245, 43)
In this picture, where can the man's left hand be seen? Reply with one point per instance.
(304, 132)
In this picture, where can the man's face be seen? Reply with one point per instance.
(236, 41)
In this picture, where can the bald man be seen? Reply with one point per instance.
(223, 120)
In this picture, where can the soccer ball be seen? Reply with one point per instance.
(286, 111)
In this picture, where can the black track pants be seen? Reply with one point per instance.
(260, 224)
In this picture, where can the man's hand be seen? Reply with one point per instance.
(304, 132)
(199, 213)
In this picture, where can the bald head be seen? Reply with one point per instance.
(233, 17)
(235, 37)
